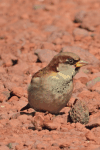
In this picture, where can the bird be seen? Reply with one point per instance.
(51, 87)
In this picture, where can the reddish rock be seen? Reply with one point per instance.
(23, 99)
(17, 78)
(2, 22)
(97, 148)
(19, 68)
(47, 45)
(91, 20)
(50, 28)
(8, 63)
(21, 103)
(8, 59)
(80, 127)
(96, 73)
(14, 116)
(20, 145)
(71, 101)
(1, 86)
(96, 87)
(2, 70)
(13, 98)
(24, 16)
(4, 147)
(79, 34)
(23, 118)
(40, 145)
(19, 91)
(90, 136)
(79, 16)
(38, 122)
(4, 96)
(78, 87)
(96, 131)
(92, 70)
(91, 98)
(9, 56)
(9, 85)
(67, 39)
(28, 57)
(64, 144)
(94, 121)
(51, 125)
(45, 55)
(32, 69)
(14, 123)
(83, 77)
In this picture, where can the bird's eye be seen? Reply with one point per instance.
(71, 61)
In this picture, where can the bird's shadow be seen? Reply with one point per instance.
(45, 113)
(29, 114)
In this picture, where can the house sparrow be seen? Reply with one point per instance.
(51, 87)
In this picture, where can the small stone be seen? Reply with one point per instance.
(79, 33)
(79, 16)
(79, 112)
(38, 122)
(51, 125)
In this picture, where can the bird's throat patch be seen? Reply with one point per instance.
(64, 76)
(58, 75)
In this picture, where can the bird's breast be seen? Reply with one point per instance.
(59, 84)
(50, 93)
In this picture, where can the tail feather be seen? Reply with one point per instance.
(26, 107)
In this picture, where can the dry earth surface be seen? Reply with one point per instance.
(31, 33)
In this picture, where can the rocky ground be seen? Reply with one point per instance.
(31, 33)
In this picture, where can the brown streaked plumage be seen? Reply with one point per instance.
(51, 87)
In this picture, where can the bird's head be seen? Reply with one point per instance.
(67, 63)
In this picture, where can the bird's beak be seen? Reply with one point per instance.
(81, 63)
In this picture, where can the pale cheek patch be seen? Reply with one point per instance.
(64, 76)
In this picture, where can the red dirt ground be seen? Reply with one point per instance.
(31, 33)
